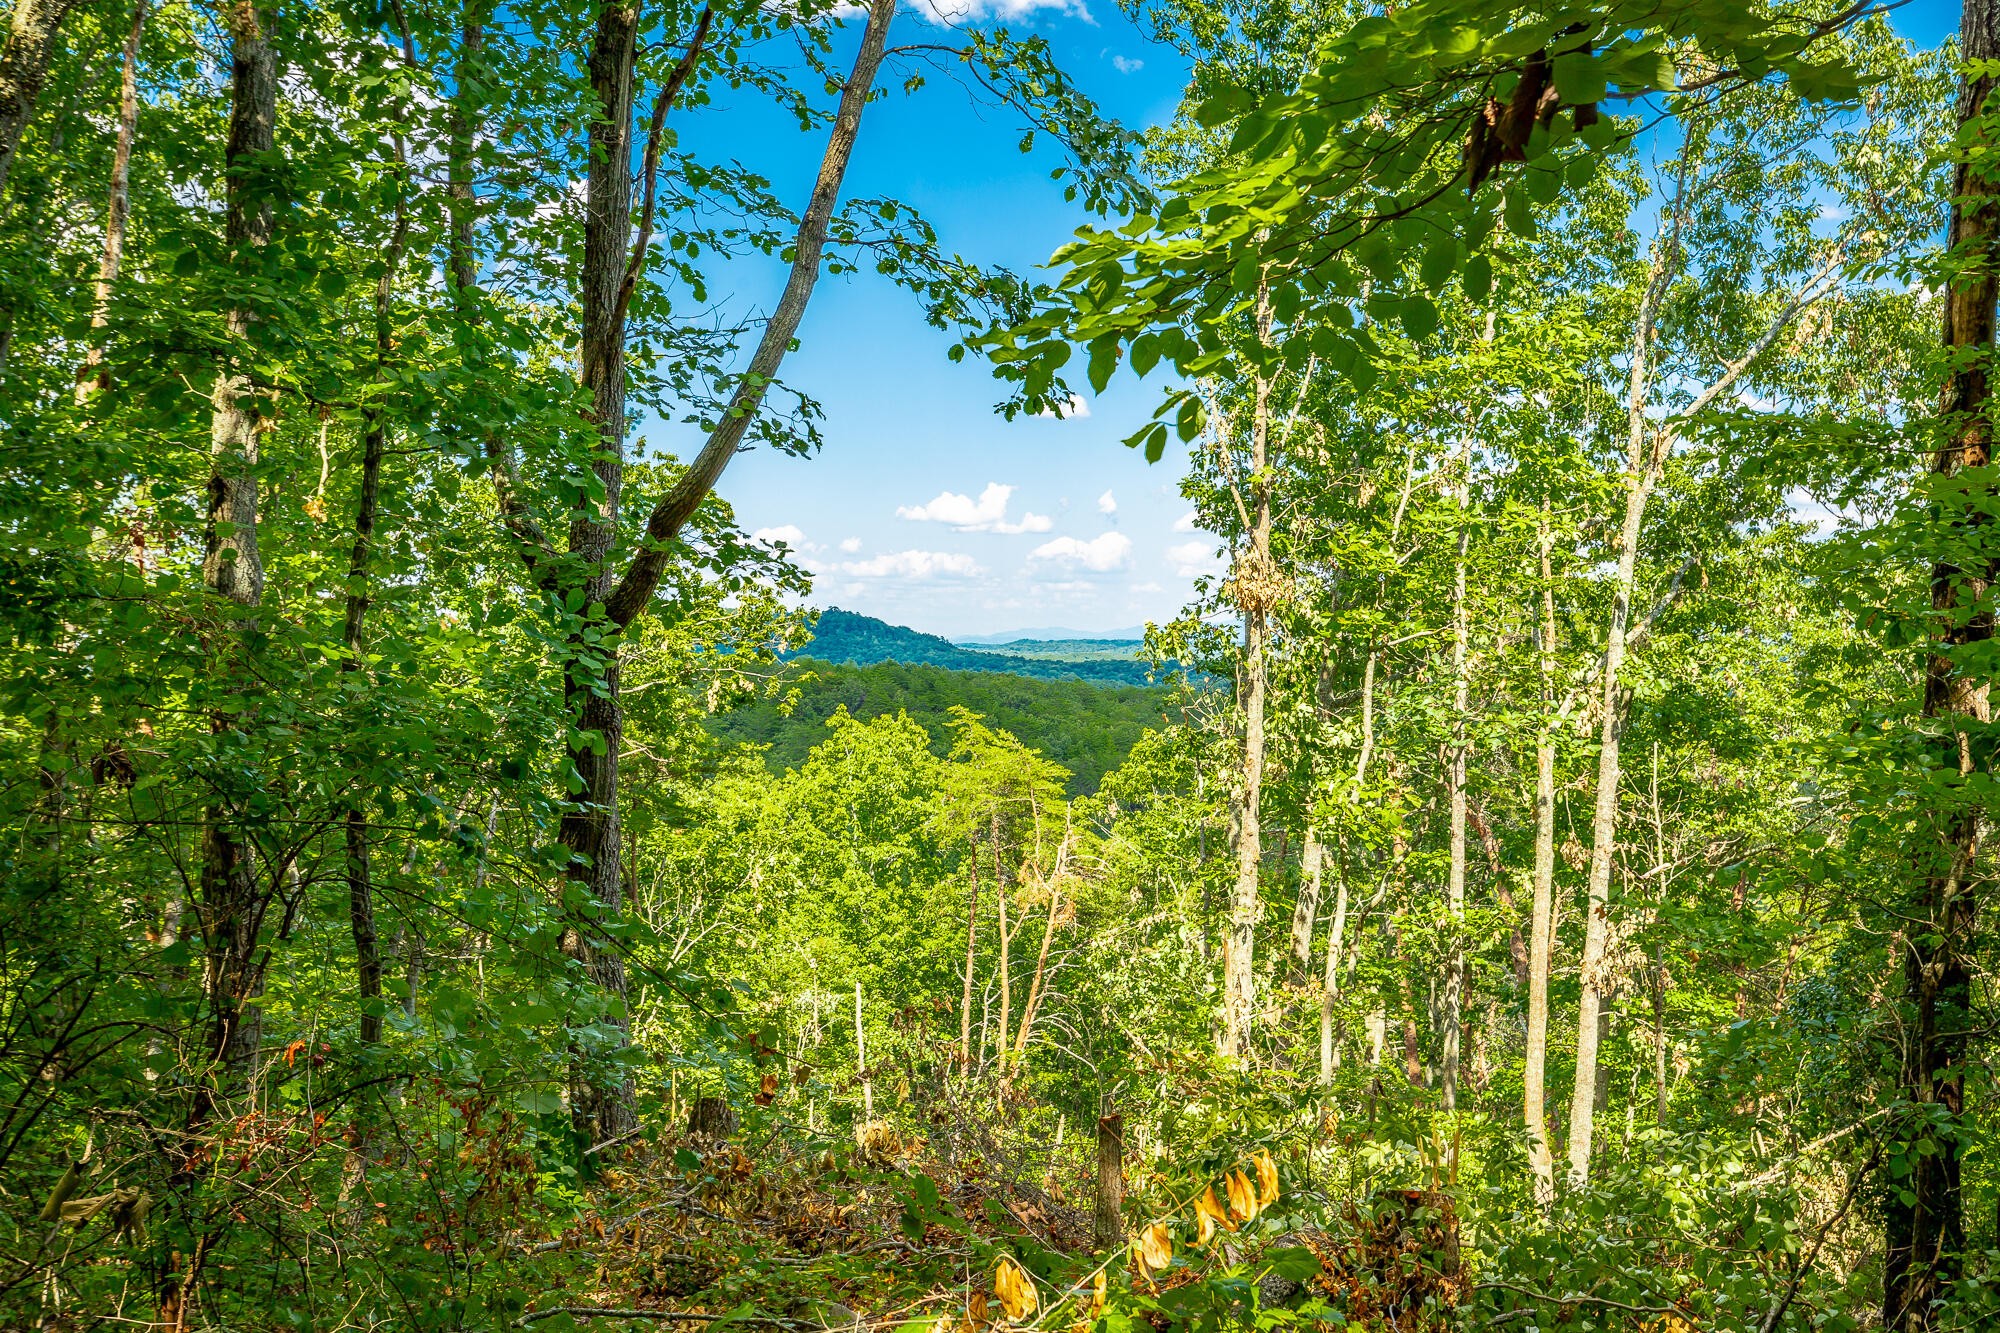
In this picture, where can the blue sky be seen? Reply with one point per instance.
(925, 507)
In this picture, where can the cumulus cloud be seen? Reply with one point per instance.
(851, 545)
(954, 12)
(914, 565)
(1107, 503)
(1078, 406)
(986, 514)
(1106, 552)
(1191, 559)
(1185, 523)
(1127, 65)
(786, 533)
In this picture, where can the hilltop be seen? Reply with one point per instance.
(847, 637)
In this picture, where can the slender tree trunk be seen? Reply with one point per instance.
(91, 377)
(612, 265)
(1307, 908)
(861, 1060)
(1454, 965)
(1006, 961)
(24, 65)
(1541, 928)
(601, 1105)
(971, 961)
(374, 443)
(1645, 445)
(1329, 995)
(232, 906)
(1925, 1226)
(1255, 580)
(1034, 999)
(1660, 1042)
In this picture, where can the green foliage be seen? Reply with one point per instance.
(1086, 728)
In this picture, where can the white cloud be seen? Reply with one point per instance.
(1191, 559)
(986, 514)
(851, 545)
(1127, 65)
(1107, 503)
(1101, 553)
(1146, 587)
(786, 533)
(1078, 407)
(914, 565)
(954, 12)
(1185, 523)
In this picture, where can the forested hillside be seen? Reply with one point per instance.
(1562, 903)
(843, 636)
(1088, 729)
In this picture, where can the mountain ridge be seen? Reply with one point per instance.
(851, 638)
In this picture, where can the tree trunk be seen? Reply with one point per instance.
(24, 64)
(1329, 996)
(1925, 1227)
(374, 443)
(971, 962)
(1541, 927)
(602, 1104)
(232, 905)
(1255, 580)
(1307, 908)
(861, 1060)
(1454, 964)
(1034, 999)
(90, 377)
(1006, 961)
(1644, 446)
(1109, 1219)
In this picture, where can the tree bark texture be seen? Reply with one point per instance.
(1924, 1230)
(91, 377)
(1541, 927)
(1109, 1213)
(611, 266)
(24, 65)
(1255, 581)
(1454, 964)
(232, 903)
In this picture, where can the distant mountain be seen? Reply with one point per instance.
(1133, 635)
(843, 636)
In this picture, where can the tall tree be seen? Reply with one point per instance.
(1924, 1221)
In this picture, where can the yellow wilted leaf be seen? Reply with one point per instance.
(1267, 1180)
(975, 1309)
(1098, 1293)
(1155, 1247)
(1015, 1289)
(1242, 1197)
(1209, 1215)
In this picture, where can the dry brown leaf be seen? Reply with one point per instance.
(1242, 1197)
(1267, 1179)
(1015, 1289)
(1155, 1247)
(1209, 1215)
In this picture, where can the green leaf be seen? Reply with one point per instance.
(1579, 78)
(1478, 278)
(1419, 317)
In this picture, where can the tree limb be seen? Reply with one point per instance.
(635, 589)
